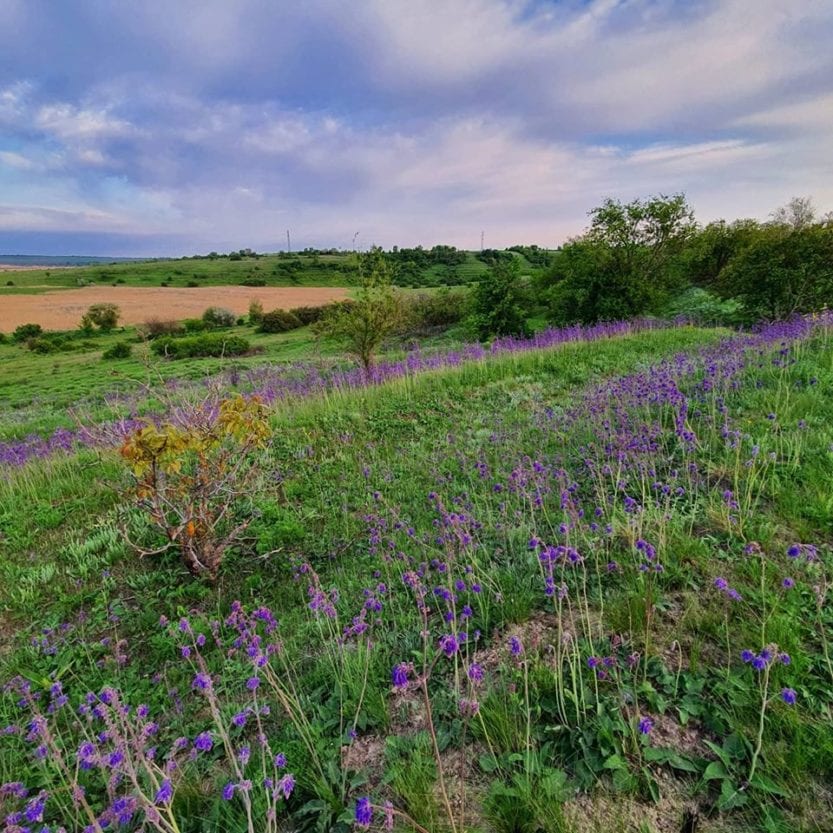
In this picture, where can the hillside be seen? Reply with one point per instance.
(557, 588)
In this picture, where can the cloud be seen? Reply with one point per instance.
(208, 124)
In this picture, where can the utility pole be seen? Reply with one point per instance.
(288, 243)
(482, 234)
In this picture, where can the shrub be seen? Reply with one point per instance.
(427, 311)
(191, 284)
(205, 345)
(3, 338)
(279, 321)
(195, 325)
(703, 308)
(309, 315)
(255, 311)
(103, 316)
(188, 479)
(26, 331)
(253, 282)
(10, 283)
(120, 350)
(219, 317)
(43, 345)
(154, 328)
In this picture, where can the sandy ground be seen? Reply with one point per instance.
(62, 310)
(13, 267)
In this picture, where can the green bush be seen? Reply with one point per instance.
(428, 311)
(105, 317)
(309, 315)
(26, 331)
(120, 350)
(205, 345)
(9, 283)
(154, 328)
(701, 307)
(253, 282)
(219, 317)
(279, 321)
(195, 325)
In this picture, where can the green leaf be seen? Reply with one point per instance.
(730, 797)
(715, 770)
(616, 762)
(488, 763)
(767, 785)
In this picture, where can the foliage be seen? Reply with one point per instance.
(279, 321)
(155, 328)
(425, 312)
(374, 314)
(208, 344)
(622, 266)
(26, 331)
(497, 303)
(219, 317)
(120, 350)
(783, 271)
(699, 306)
(188, 480)
(104, 317)
(255, 311)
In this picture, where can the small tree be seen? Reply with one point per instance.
(255, 311)
(376, 312)
(105, 317)
(498, 302)
(624, 265)
(219, 317)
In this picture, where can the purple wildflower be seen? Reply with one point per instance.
(364, 812)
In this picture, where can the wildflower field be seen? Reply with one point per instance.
(573, 583)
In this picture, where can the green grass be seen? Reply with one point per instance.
(276, 270)
(348, 472)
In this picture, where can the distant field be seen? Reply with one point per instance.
(270, 270)
(63, 310)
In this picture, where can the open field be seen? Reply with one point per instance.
(272, 270)
(581, 585)
(63, 310)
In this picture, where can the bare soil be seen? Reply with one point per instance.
(62, 310)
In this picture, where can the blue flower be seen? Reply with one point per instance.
(364, 812)
(645, 726)
(165, 792)
(789, 696)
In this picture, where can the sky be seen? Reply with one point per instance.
(174, 127)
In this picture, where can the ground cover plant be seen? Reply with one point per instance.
(576, 586)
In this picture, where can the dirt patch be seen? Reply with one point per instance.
(62, 310)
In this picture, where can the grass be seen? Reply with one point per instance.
(275, 270)
(451, 474)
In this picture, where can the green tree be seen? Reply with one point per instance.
(711, 249)
(498, 304)
(623, 265)
(103, 316)
(376, 312)
(785, 270)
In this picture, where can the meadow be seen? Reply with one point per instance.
(572, 583)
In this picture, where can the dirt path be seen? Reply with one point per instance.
(62, 310)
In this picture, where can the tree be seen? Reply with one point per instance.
(104, 316)
(780, 274)
(498, 302)
(711, 249)
(363, 325)
(797, 214)
(622, 266)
